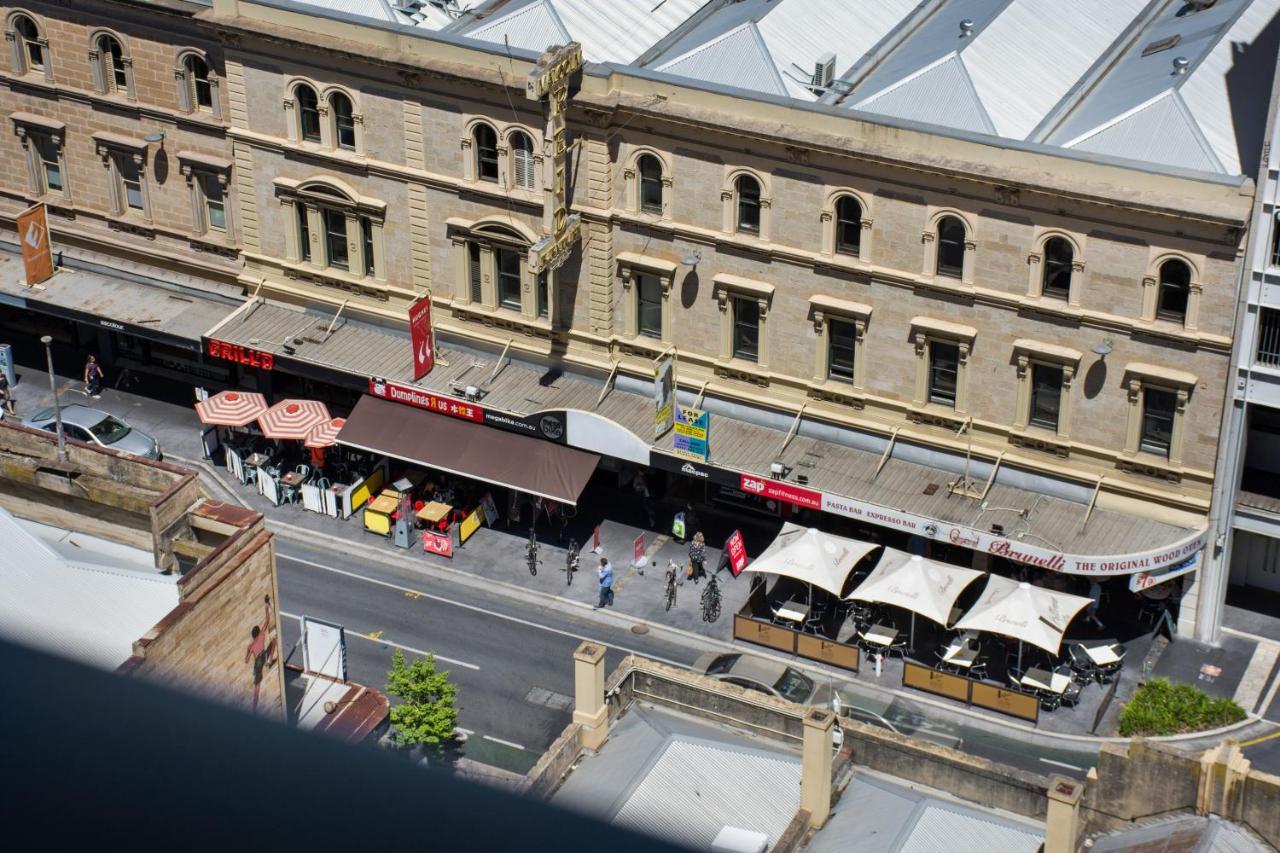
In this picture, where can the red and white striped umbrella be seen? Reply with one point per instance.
(231, 408)
(292, 418)
(325, 434)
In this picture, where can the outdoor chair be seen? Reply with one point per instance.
(978, 669)
(898, 647)
(1083, 667)
(1049, 701)
(1015, 680)
(1071, 696)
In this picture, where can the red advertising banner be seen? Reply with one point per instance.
(424, 356)
(33, 235)
(737, 551)
(780, 491)
(595, 539)
(437, 543)
(426, 400)
(639, 550)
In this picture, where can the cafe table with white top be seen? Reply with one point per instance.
(880, 635)
(792, 611)
(1043, 679)
(1103, 655)
(960, 654)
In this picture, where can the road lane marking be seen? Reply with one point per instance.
(477, 609)
(374, 635)
(413, 595)
(1062, 764)
(1259, 740)
(503, 742)
(385, 642)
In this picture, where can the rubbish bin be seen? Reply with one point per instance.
(6, 363)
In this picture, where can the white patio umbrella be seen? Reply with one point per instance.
(913, 583)
(816, 558)
(1027, 613)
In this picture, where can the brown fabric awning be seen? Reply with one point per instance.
(472, 450)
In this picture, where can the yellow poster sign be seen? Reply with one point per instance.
(470, 525)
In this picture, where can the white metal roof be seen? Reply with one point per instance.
(86, 611)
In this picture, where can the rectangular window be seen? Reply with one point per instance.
(944, 370)
(508, 278)
(215, 204)
(346, 127)
(746, 329)
(1275, 242)
(1269, 337)
(841, 337)
(1046, 396)
(1157, 420)
(304, 233)
(649, 305)
(203, 92)
(50, 165)
(544, 296)
(335, 238)
(366, 236)
(130, 181)
(473, 272)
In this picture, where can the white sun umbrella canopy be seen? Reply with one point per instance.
(811, 556)
(913, 583)
(1029, 614)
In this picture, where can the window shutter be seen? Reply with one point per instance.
(96, 63)
(523, 161)
(185, 101)
(473, 255)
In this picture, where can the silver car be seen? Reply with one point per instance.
(765, 676)
(94, 426)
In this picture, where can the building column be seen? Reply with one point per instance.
(815, 769)
(590, 710)
(1062, 822)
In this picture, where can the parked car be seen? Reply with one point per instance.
(94, 426)
(764, 676)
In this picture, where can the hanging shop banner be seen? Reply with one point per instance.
(422, 337)
(780, 491)
(693, 430)
(1145, 580)
(664, 389)
(470, 525)
(706, 473)
(426, 400)
(737, 551)
(638, 547)
(437, 543)
(37, 253)
(490, 509)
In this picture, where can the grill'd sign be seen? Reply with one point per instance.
(242, 355)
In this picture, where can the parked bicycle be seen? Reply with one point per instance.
(711, 600)
(531, 554)
(669, 593)
(571, 561)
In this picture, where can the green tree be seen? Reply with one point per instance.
(427, 712)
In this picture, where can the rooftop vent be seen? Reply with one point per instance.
(1180, 64)
(824, 71)
(966, 28)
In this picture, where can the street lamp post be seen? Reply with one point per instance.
(57, 408)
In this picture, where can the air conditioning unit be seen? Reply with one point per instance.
(824, 71)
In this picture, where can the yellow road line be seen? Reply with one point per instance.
(1259, 740)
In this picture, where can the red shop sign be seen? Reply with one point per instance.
(780, 491)
(426, 400)
(437, 543)
(424, 357)
(737, 551)
(241, 355)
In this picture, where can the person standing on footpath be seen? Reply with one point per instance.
(6, 396)
(698, 556)
(93, 377)
(606, 584)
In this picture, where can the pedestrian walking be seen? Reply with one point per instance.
(605, 573)
(698, 556)
(6, 396)
(93, 377)
(1095, 596)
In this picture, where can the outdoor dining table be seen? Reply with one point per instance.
(1042, 679)
(792, 611)
(960, 654)
(257, 460)
(880, 635)
(292, 478)
(433, 513)
(1103, 655)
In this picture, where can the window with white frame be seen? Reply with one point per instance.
(1158, 398)
(29, 49)
(49, 166)
(649, 172)
(197, 84)
(746, 191)
(842, 337)
(335, 230)
(344, 123)
(485, 141)
(744, 307)
(1046, 396)
(208, 179)
(112, 69)
(523, 170)
(308, 107)
(508, 267)
(42, 141)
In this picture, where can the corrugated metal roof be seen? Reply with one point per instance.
(533, 27)
(738, 58)
(378, 10)
(79, 610)
(1163, 128)
(938, 94)
(943, 829)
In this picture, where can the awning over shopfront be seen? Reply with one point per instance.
(468, 449)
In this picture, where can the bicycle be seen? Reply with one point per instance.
(669, 594)
(571, 561)
(711, 600)
(531, 553)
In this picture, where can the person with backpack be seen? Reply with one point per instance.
(93, 377)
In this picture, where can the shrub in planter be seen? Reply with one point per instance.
(1160, 707)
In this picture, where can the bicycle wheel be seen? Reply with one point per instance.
(671, 596)
(568, 571)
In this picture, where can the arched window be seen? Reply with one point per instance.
(113, 74)
(950, 247)
(1174, 291)
(523, 174)
(199, 89)
(308, 112)
(650, 171)
(344, 122)
(1055, 279)
(848, 226)
(29, 53)
(486, 142)
(747, 191)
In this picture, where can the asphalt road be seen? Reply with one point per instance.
(513, 662)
